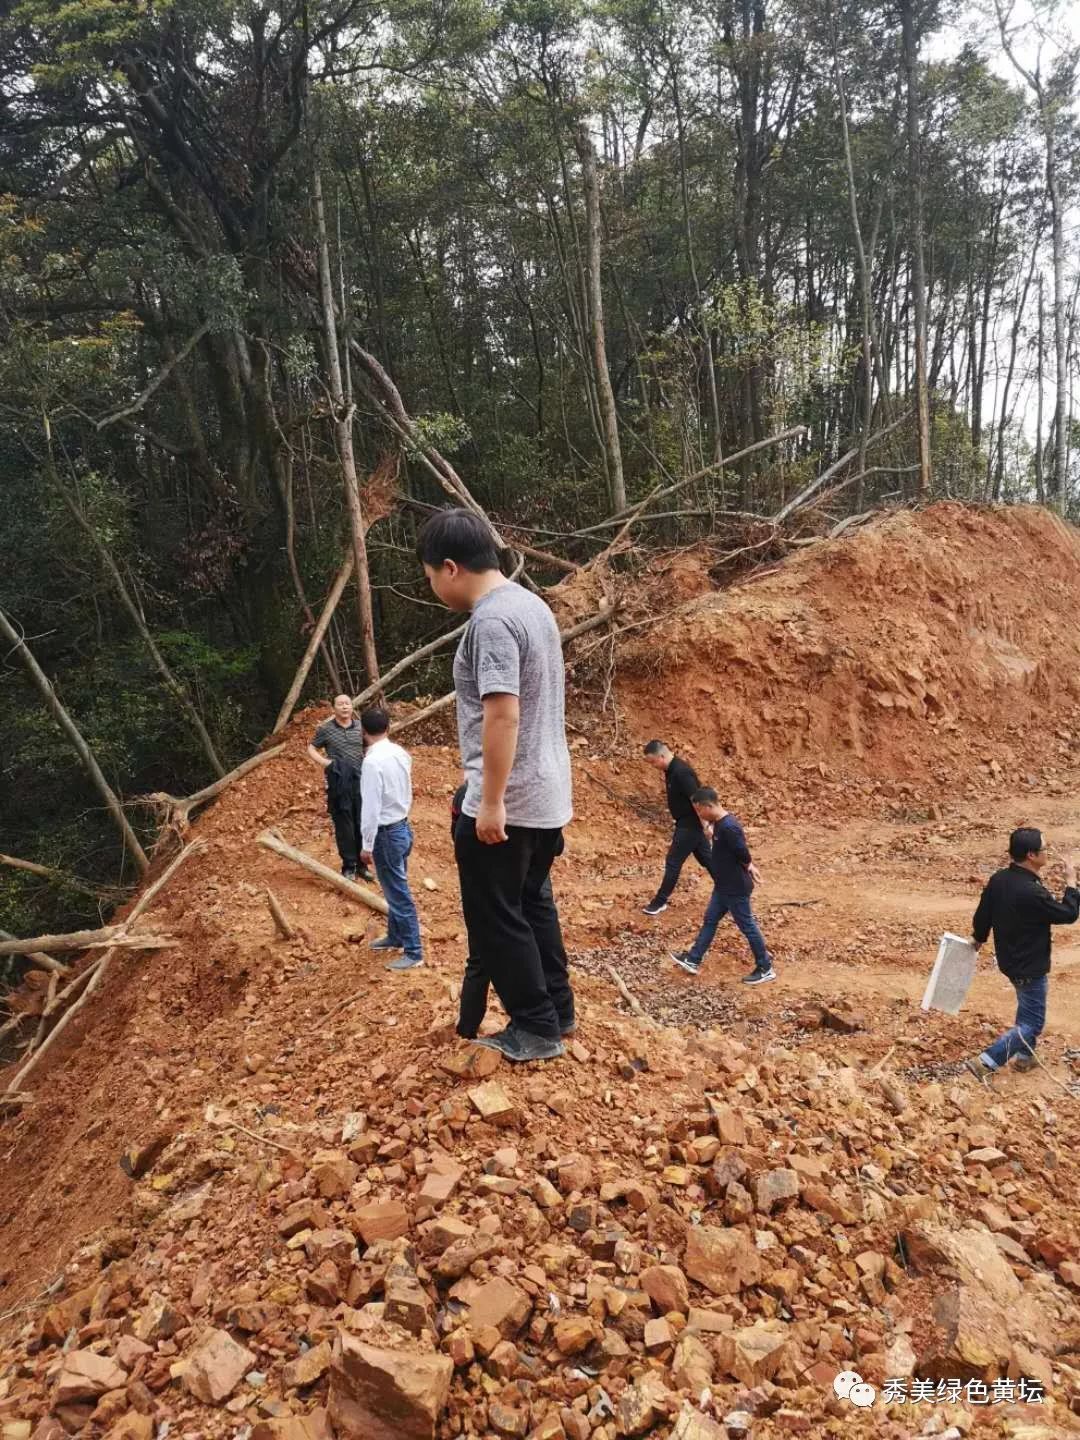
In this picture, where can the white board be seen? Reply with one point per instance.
(951, 976)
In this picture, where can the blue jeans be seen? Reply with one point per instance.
(1030, 1019)
(393, 846)
(743, 915)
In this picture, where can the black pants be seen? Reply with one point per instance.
(515, 942)
(475, 984)
(686, 841)
(344, 808)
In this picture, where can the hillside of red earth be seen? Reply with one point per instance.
(262, 1192)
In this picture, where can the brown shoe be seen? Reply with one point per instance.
(1024, 1063)
(982, 1073)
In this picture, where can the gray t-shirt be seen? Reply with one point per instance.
(512, 647)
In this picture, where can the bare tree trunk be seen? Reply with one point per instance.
(593, 243)
(918, 277)
(79, 745)
(315, 642)
(138, 619)
(343, 429)
(864, 269)
(1040, 481)
(1051, 97)
(1061, 408)
(704, 328)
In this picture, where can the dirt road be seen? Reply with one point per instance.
(855, 913)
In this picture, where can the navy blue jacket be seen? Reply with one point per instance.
(730, 858)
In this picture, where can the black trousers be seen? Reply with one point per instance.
(344, 808)
(515, 941)
(475, 985)
(686, 841)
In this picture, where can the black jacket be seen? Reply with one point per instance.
(731, 858)
(342, 784)
(1019, 909)
(681, 782)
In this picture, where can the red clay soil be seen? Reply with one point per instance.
(921, 649)
(882, 708)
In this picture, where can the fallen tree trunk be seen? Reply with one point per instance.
(435, 708)
(336, 591)
(47, 962)
(431, 648)
(48, 873)
(269, 841)
(96, 972)
(811, 490)
(79, 745)
(177, 809)
(73, 940)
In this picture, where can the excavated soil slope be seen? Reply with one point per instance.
(262, 1193)
(917, 648)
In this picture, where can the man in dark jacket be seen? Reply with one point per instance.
(689, 838)
(1019, 909)
(734, 873)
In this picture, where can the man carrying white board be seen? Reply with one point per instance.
(1020, 910)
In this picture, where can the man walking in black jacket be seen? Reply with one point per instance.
(734, 874)
(689, 838)
(1019, 909)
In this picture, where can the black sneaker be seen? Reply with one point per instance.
(521, 1046)
(759, 977)
(654, 907)
(686, 961)
(348, 874)
(366, 875)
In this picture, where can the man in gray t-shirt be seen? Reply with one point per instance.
(512, 647)
(510, 687)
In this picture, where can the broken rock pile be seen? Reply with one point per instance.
(665, 1235)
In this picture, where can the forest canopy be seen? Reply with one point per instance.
(276, 279)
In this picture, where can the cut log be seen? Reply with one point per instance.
(99, 969)
(282, 925)
(269, 841)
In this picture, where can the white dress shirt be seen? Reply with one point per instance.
(385, 789)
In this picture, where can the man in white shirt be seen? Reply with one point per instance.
(387, 839)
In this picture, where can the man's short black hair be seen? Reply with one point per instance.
(704, 795)
(457, 535)
(1024, 842)
(375, 721)
(655, 747)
